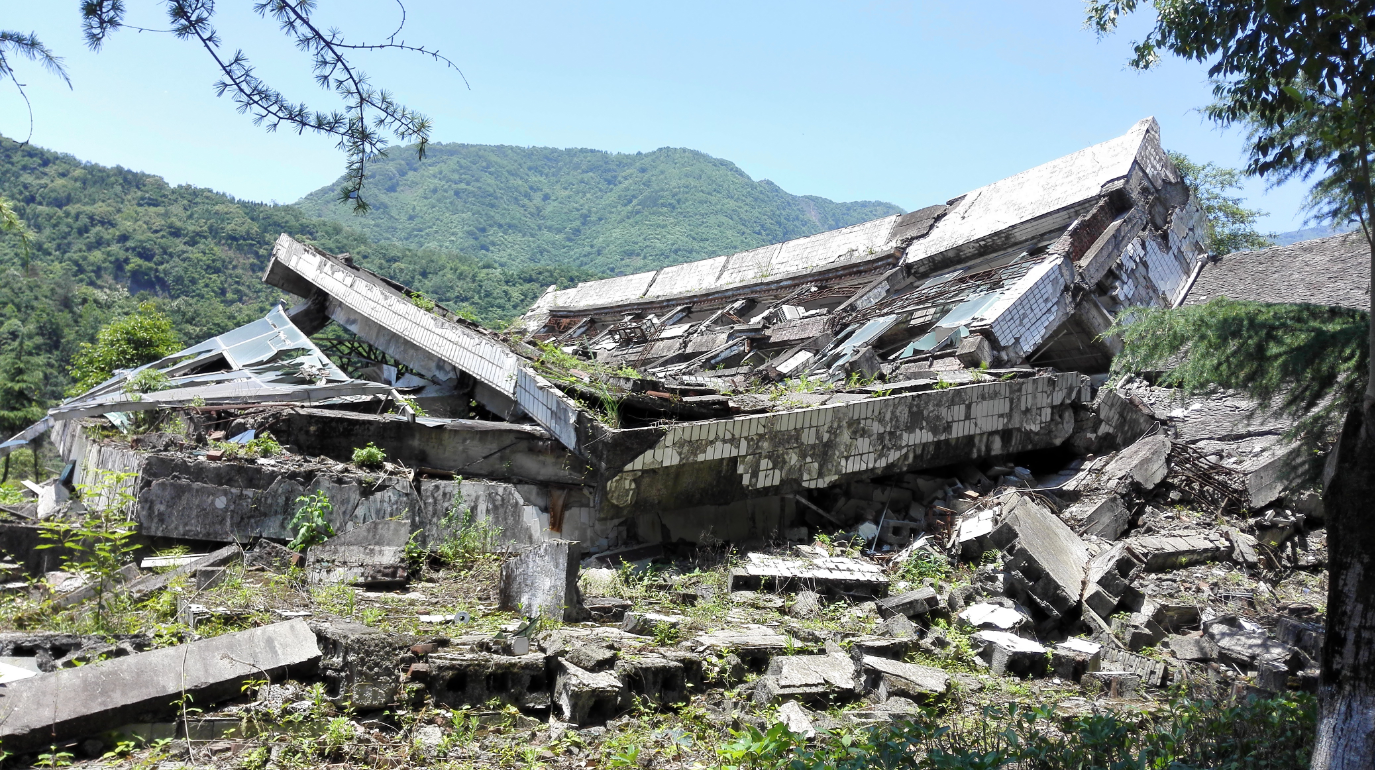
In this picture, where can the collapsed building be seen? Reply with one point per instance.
(930, 384)
(736, 398)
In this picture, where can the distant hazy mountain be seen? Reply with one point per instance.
(609, 212)
(1308, 234)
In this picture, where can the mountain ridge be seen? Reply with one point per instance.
(614, 213)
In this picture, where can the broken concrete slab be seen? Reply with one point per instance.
(1153, 672)
(606, 609)
(807, 678)
(270, 556)
(795, 718)
(892, 678)
(1178, 550)
(910, 604)
(80, 701)
(1145, 464)
(1107, 579)
(806, 605)
(585, 698)
(592, 657)
(1193, 648)
(648, 623)
(1308, 637)
(542, 581)
(147, 585)
(371, 555)
(1046, 559)
(1117, 685)
(994, 617)
(1106, 517)
(1243, 643)
(1137, 631)
(898, 627)
(819, 572)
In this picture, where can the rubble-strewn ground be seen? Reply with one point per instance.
(726, 717)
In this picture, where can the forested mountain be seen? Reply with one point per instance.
(104, 238)
(609, 212)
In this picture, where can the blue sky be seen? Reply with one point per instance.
(908, 102)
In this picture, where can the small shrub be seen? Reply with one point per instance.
(264, 445)
(369, 456)
(309, 522)
(99, 544)
(468, 538)
(146, 381)
(423, 302)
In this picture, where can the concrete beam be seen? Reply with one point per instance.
(74, 702)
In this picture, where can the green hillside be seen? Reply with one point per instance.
(106, 238)
(609, 212)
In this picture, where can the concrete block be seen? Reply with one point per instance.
(474, 678)
(73, 702)
(1107, 518)
(358, 664)
(592, 657)
(1073, 658)
(270, 556)
(371, 554)
(662, 681)
(974, 351)
(586, 698)
(796, 719)
(1193, 648)
(543, 581)
(891, 678)
(807, 678)
(1043, 549)
(1008, 654)
(911, 604)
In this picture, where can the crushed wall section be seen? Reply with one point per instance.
(717, 462)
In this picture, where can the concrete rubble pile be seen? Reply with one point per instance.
(852, 413)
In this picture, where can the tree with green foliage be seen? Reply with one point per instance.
(139, 338)
(21, 386)
(1299, 75)
(1231, 226)
(361, 127)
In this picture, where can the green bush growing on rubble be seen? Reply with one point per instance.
(309, 522)
(98, 545)
(264, 445)
(466, 537)
(1265, 733)
(370, 456)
